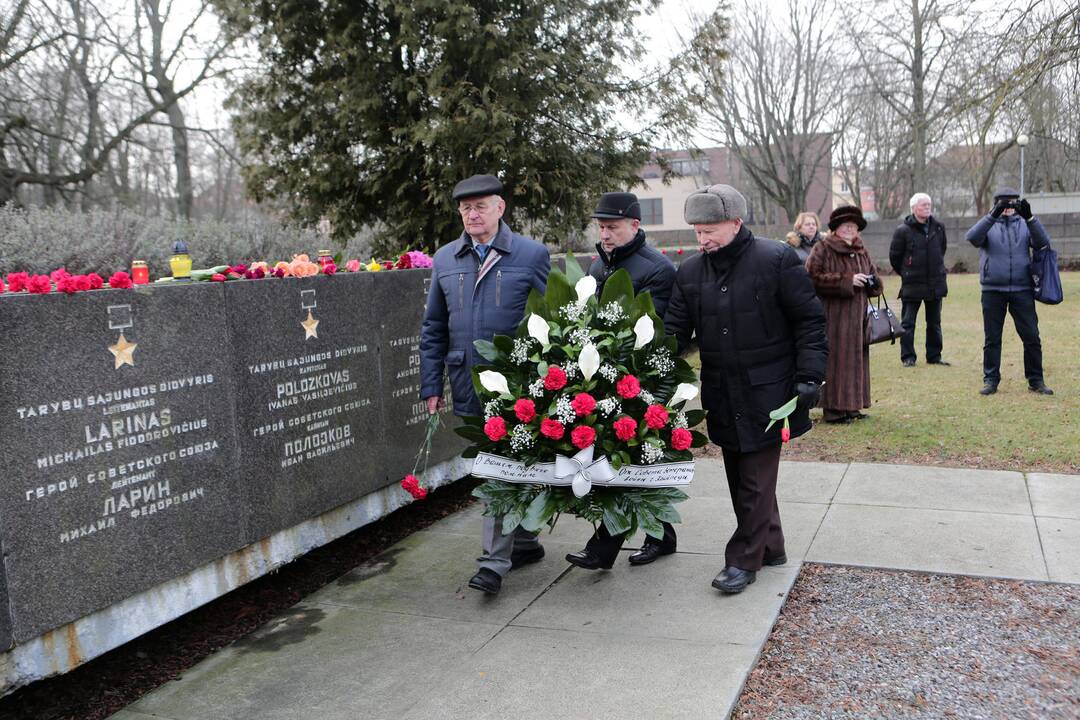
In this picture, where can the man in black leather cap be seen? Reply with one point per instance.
(761, 331)
(622, 247)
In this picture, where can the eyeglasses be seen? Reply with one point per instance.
(468, 208)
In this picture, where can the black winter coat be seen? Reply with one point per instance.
(917, 254)
(760, 327)
(648, 268)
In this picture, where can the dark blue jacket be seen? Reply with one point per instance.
(459, 309)
(1005, 246)
(648, 268)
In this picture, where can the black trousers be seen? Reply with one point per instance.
(751, 480)
(1021, 305)
(606, 546)
(908, 315)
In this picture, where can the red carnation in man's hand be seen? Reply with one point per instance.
(495, 428)
(552, 429)
(583, 436)
(555, 378)
(681, 439)
(625, 427)
(583, 404)
(656, 416)
(525, 410)
(628, 387)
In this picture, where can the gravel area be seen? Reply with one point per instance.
(863, 643)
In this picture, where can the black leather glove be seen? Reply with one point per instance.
(809, 393)
(999, 207)
(1024, 210)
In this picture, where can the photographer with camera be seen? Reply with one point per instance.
(1005, 238)
(844, 277)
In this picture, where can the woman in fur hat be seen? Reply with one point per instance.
(844, 277)
(804, 236)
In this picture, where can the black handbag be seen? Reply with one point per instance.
(881, 324)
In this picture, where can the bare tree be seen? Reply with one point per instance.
(769, 98)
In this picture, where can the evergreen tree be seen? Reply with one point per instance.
(369, 111)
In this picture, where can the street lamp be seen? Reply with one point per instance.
(1022, 141)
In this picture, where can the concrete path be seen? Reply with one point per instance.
(402, 637)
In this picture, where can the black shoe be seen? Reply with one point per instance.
(518, 558)
(1040, 388)
(486, 580)
(587, 559)
(842, 420)
(733, 580)
(939, 362)
(909, 363)
(988, 388)
(780, 559)
(649, 552)
(857, 416)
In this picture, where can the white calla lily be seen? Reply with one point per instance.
(585, 289)
(644, 331)
(588, 361)
(685, 391)
(494, 382)
(538, 329)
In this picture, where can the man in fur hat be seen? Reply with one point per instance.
(761, 331)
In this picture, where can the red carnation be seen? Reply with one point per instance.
(679, 251)
(96, 281)
(552, 429)
(218, 277)
(58, 273)
(18, 281)
(279, 273)
(412, 486)
(555, 378)
(82, 283)
(66, 284)
(628, 387)
(239, 268)
(625, 427)
(1, 285)
(525, 409)
(255, 273)
(329, 268)
(681, 439)
(656, 416)
(664, 252)
(583, 436)
(583, 404)
(495, 428)
(39, 284)
(785, 434)
(404, 262)
(120, 280)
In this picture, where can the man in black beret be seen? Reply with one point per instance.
(479, 285)
(622, 246)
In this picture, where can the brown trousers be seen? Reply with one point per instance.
(751, 480)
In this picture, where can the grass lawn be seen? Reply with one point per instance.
(934, 415)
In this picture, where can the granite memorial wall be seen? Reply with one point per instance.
(147, 432)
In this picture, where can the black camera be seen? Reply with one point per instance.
(871, 280)
(1014, 204)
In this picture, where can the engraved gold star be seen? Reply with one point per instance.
(310, 326)
(123, 351)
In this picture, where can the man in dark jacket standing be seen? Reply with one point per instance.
(1005, 238)
(761, 332)
(479, 285)
(622, 247)
(917, 255)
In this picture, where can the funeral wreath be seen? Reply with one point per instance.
(584, 411)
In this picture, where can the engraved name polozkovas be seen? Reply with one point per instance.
(119, 446)
(308, 392)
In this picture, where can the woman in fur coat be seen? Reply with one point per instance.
(844, 277)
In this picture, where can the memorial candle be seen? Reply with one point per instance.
(140, 273)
